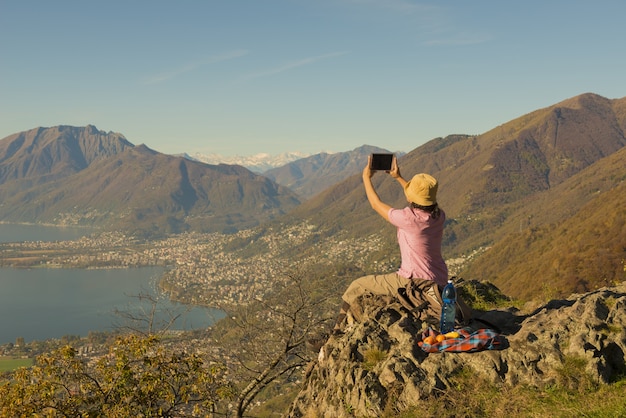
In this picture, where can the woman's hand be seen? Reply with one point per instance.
(395, 170)
(367, 171)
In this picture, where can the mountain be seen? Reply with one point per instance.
(535, 205)
(82, 176)
(41, 155)
(578, 245)
(311, 175)
(258, 163)
(536, 171)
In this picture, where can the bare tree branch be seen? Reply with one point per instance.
(273, 334)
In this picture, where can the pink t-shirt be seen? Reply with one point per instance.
(419, 238)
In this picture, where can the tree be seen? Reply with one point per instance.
(138, 377)
(269, 337)
(146, 316)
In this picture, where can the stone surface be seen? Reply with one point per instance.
(378, 361)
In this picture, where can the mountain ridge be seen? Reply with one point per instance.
(257, 163)
(536, 206)
(452, 157)
(55, 152)
(82, 176)
(490, 182)
(311, 175)
(531, 173)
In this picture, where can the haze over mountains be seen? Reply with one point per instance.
(538, 200)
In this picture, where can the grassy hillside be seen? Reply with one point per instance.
(565, 252)
(510, 190)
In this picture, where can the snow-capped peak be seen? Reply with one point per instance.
(257, 163)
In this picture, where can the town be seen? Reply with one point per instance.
(199, 268)
(215, 270)
(222, 271)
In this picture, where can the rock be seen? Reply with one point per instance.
(377, 364)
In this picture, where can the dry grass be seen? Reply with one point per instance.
(575, 395)
(372, 357)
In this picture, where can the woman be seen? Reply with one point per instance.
(419, 232)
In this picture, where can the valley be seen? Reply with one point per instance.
(209, 269)
(225, 233)
(534, 207)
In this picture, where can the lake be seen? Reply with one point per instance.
(39, 304)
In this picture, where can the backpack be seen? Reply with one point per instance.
(423, 299)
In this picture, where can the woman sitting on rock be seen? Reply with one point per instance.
(419, 232)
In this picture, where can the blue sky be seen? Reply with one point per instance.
(242, 77)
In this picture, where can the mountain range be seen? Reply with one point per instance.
(258, 163)
(533, 205)
(82, 176)
(307, 175)
(316, 173)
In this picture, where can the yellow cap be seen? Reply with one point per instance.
(422, 189)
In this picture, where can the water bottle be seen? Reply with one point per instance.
(448, 310)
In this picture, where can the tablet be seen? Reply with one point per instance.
(381, 162)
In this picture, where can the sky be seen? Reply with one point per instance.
(242, 77)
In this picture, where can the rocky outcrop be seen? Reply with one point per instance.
(378, 360)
